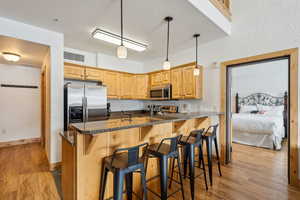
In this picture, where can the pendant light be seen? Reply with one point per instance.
(167, 64)
(197, 69)
(122, 50)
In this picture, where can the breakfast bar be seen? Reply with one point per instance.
(86, 144)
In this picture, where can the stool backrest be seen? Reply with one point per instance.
(133, 153)
(196, 134)
(214, 129)
(173, 143)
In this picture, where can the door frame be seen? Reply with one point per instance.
(225, 137)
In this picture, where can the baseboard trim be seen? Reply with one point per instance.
(19, 142)
(54, 166)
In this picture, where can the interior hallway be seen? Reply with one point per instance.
(255, 173)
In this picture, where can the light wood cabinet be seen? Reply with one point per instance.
(160, 78)
(73, 72)
(94, 74)
(185, 85)
(141, 88)
(111, 80)
(121, 85)
(126, 86)
(176, 81)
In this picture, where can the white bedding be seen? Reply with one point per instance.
(261, 130)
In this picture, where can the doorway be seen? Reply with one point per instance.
(292, 107)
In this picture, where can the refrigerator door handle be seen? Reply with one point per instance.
(83, 110)
(86, 110)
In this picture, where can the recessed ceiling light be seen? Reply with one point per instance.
(12, 57)
(116, 39)
(55, 20)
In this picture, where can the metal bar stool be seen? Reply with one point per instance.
(189, 144)
(164, 151)
(122, 164)
(210, 136)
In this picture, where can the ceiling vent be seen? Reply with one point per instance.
(73, 56)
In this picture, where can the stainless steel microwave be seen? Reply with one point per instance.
(162, 92)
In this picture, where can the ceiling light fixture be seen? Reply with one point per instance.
(167, 64)
(12, 57)
(197, 68)
(122, 50)
(116, 39)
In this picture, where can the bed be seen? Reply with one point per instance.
(260, 120)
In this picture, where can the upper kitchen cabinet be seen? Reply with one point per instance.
(111, 80)
(160, 78)
(94, 74)
(73, 72)
(184, 84)
(141, 89)
(126, 85)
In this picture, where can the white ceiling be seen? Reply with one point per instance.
(32, 54)
(143, 22)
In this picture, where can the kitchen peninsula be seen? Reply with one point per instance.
(86, 144)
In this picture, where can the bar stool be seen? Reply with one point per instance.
(210, 137)
(189, 143)
(122, 164)
(164, 152)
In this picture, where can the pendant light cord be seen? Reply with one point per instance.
(121, 22)
(168, 38)
(196, 51)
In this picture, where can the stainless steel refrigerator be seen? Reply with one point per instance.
(84, 102)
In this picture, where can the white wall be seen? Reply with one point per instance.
(268, 77)
(20, 107)
(56, 43)
(257, 27)
(107, 61)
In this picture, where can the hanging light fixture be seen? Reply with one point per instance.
(122, 50)
(167, 64)
(197, 68)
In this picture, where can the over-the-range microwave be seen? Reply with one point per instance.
(161, 92)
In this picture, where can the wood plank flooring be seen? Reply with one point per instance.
(24, 174)
(254, 174)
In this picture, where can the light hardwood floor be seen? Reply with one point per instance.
(255, 173)
(24, 174)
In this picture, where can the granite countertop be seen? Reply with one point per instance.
(138, 120)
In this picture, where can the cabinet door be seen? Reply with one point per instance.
(188, 82)
(176, 80)
(156, 79)
(111, 80)
(165, 77)
(94, 74)
(126, 85)
(73, 72)
(141, 87)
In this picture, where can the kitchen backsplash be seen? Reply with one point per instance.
(191, 105)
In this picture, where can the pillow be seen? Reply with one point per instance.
(247, 109)
(270, 108)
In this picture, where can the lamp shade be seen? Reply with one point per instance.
(122, 52)
(167, 65)
(196, 71)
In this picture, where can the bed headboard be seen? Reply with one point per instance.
(261, 98)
